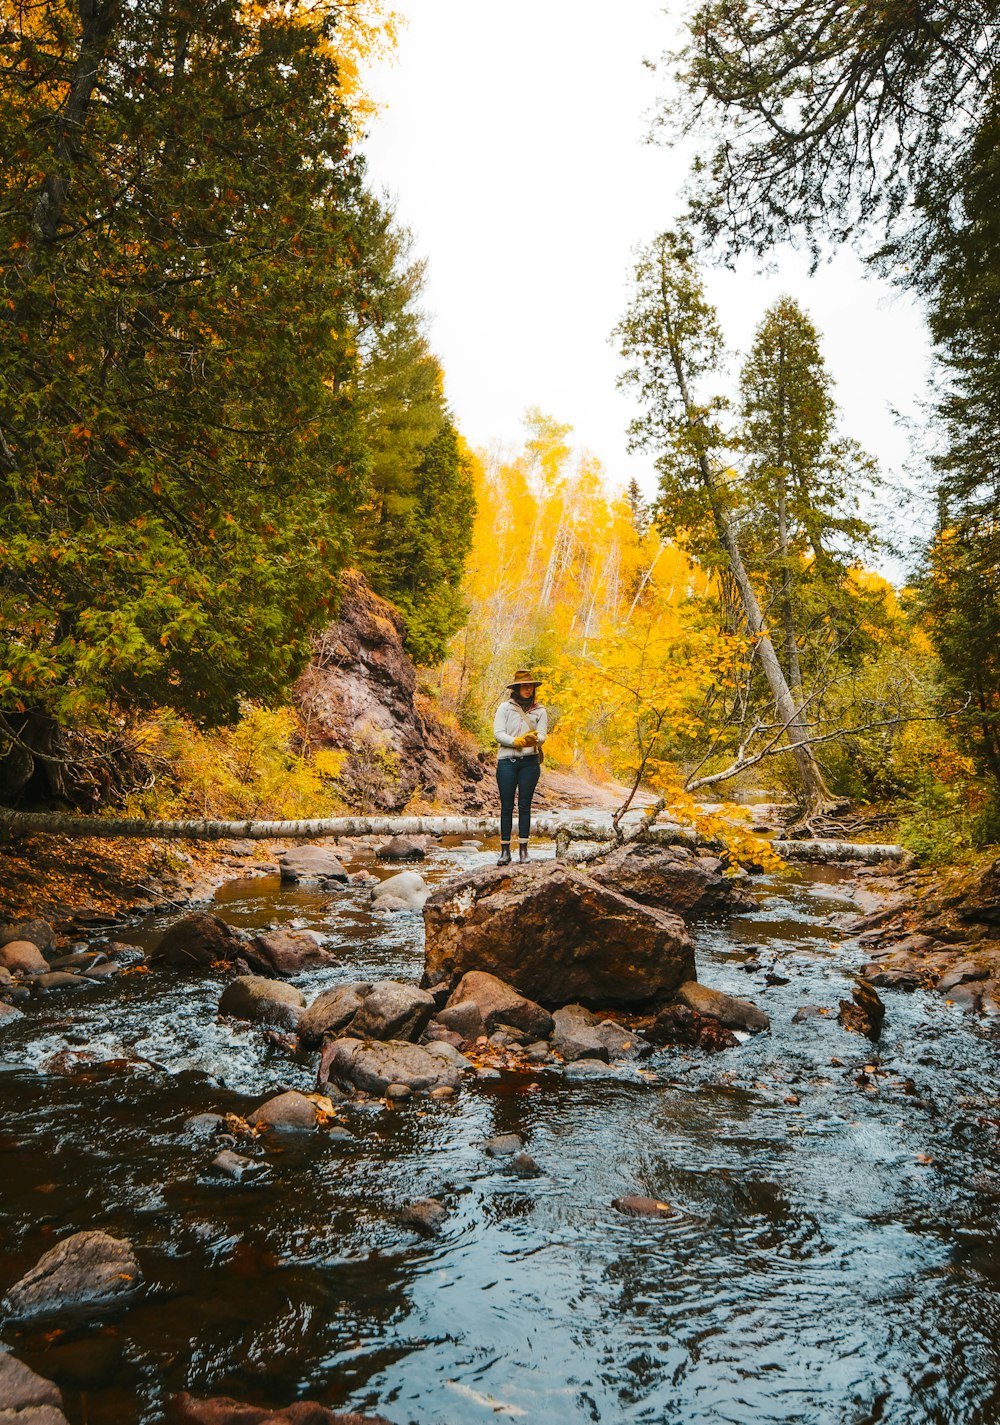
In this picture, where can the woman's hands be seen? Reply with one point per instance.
(528, 739)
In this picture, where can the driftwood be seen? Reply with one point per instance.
(564, 827)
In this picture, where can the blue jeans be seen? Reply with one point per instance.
(517, 775)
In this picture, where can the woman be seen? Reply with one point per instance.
(520, 727)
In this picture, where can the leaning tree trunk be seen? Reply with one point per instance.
(815, 793)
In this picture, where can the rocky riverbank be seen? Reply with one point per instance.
(933, 929)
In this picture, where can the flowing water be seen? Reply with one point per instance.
(815, 1269)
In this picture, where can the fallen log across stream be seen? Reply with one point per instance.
(565, 827)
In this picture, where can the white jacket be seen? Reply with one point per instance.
(512, 721)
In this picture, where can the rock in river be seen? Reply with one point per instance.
(393, 1010)
(311, 863)
(497, 1006)
(727, 1009)
(289, 951)
(262, 1001)
(403, 848)
(223, 1410)
(39, 932)
(406, 890)
(557, 936)
(332, 1011)
(23, 957)
(672, 878)
(289, 1110)
(87, 1268)
(27, 1398)
(372, 1066)
(197, 941)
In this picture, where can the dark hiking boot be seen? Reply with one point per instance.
(522, 853)
(504, 856)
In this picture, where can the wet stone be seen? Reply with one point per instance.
(426, 1215)
(524, 1165)
(504, 1145)
(60, 980)
(86, 1268)
(23, 957)
(234, 1165)
(634, 1206)
(27, 1398)
(399, 1091)
(288, 1111)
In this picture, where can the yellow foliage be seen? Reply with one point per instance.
(250, 770)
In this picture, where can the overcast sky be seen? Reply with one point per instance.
(513, 140)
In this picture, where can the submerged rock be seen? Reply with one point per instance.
(635, 1206)
(27, 1398)
(556, 936)
(498, 1005)
(262, 1001)
(504, 1145)
(228, 1164)
(372, 1066)
(85, 1269)
(671, 878)
(393, 1010)
(223, 1410)
(9, 1015)
(332, 1011)
(727, 1009)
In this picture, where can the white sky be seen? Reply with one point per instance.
(513, 140)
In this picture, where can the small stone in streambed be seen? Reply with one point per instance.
(223, 1410)
(233, 1165)
(524, 1165)
(286, 1111)
(27, 1398)
(263, 1001)
(487, 1073)
(399, 1091)
(88, 1268)
(538, 1053)
(23, 957)
(727, 1009)
(8, 1014)
(587, 1069)
(125, 955)
(426, 1215)
(504, 1145)
(104, 971)
(60, 980)
(443, 1091)
(463, 1018)
(78, 960)
(863, 1013)
(437, 1034)
(38, 932)
(403, 848)
(204, 1125)
(642, 1207)
(807, 1011)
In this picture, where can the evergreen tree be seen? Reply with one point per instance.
(416, 527)
(670, 336)
(180, 460)
(800, 488)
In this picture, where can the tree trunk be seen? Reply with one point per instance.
(568, 827)
(815, 793)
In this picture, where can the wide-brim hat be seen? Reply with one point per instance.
(523, 675)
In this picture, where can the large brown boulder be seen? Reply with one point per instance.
(672, 878)
(27, 1398)
(557, 936)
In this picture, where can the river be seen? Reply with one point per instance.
(818, 1268)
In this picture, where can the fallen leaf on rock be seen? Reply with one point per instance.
(923, 1158)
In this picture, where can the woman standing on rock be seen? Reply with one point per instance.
(520, 727)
